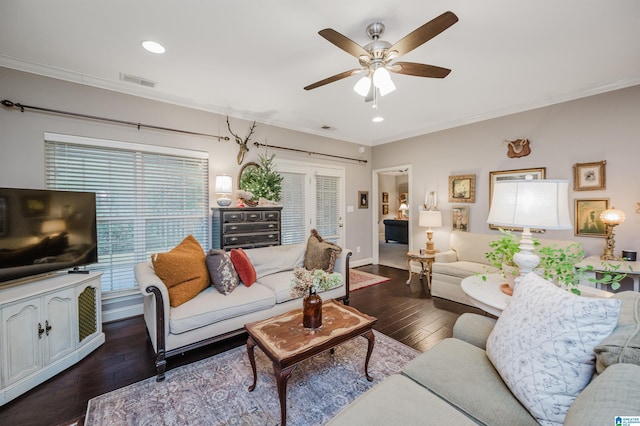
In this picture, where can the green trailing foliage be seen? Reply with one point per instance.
(264, 181)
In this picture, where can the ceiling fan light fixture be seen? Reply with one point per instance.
(363, 86)
(382, 80)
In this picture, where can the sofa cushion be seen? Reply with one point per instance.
(244, 268)
(269, 260)
(623, 345)
(461, 374)
(471, 247)
(279, 284)
(463, 269)
(398, 399)
(211, 306)
(611, 394)
(221, 270)
(183, 270)
(320, 254)
(542, 345)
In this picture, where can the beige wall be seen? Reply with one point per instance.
(602, 127)
(22, 154)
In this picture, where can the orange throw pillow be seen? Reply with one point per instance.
(183, 270)
(243, 266)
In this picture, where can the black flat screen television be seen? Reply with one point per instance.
(42, 231)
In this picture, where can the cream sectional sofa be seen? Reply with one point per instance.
(464, 259)
(212, 316)
(456, 383)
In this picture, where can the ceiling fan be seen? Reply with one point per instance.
(376, 56)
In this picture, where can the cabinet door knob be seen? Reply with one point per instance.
(47, 327)
(40, 330)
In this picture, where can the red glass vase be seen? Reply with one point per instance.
(312, 310)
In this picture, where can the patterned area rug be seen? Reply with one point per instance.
(214, 391)
(360, 279)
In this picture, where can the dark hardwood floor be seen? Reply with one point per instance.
(405, 313)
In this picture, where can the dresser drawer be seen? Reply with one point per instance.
(228, 217)
(270, 238)
(239, 228)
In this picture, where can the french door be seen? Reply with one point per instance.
(312, 198)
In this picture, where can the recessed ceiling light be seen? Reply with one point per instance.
(377, 119)
(153, 47)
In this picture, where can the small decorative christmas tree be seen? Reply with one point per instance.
(263, 181)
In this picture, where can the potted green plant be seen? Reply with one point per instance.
(264, 181)
(558, 265)
(501, 255)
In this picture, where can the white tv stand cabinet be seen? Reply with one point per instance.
(46, 326)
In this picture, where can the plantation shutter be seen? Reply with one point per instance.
(147, 201)
(327, 207)
(293, 198)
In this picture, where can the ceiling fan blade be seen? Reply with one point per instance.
(425, 33)
(344, 43)
(332, 79)
(419, 70)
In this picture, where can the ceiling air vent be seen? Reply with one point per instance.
(137, 80)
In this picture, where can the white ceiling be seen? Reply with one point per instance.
(251, 58)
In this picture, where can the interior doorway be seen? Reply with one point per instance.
(392, 203)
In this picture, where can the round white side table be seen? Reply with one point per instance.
(486, 295)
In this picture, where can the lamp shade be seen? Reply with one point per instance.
(430, 218)
(223, 184)
(612, 216)
(403, 207)
(531, 204)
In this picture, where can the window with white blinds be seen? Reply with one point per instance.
(146, 201)
(311, 198)
(293, 216)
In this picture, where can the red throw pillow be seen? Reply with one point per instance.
(243, 266)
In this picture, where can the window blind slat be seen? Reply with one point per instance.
(146, 202)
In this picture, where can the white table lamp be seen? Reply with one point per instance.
(224, 187)
(402, 210)
(530, 204)
(429, 219)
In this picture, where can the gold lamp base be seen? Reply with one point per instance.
(430, 244)
(610, 245)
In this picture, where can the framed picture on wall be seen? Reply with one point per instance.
(589, 176)
(363, 199)
(587, 217)
(460, 218)
(519, 174)
(462, 189)
(385, 209)
(385, 197)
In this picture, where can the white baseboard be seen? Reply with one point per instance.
(360, 262)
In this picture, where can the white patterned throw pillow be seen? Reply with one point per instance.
(542, 345)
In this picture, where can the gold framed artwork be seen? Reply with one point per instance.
(460, 218)
(363, 199)
(385, 197)
(589, 176)
(587, 217)
(462, 189)
(517, 174)
(385, 209)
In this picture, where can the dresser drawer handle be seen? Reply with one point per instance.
(233, 228)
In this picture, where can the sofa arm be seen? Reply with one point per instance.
(613, 393)
(446, 256)
(474, 329)
(342, 266)
(156, 311)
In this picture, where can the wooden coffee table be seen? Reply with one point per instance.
(287, 343)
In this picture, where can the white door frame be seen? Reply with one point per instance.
(375, 204)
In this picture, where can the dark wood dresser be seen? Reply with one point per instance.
(246, 227)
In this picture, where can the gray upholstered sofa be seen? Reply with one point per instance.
(212, 316)
(455, 382)
(464, 259)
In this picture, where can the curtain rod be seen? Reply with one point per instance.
(258, 144)
(9, 104)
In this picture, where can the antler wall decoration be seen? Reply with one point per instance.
(518, 148)
(242, 143)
